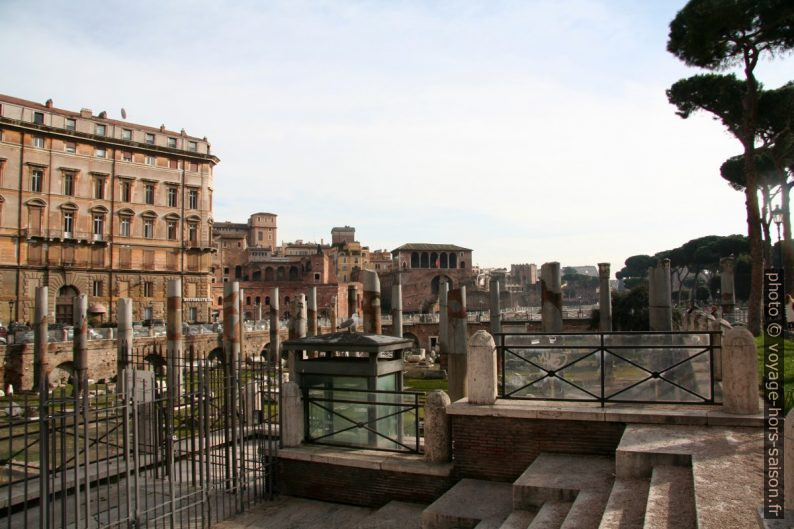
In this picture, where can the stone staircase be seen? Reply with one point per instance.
(560, 491)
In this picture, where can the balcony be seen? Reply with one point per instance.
(198, 244)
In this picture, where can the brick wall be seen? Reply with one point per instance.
(501, 448)
(357, 486)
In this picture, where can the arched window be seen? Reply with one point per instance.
(434, 262)
(267, 300)
(463, 264)
(238, 271)
(425, 260)
(414, 260)
(247, 300)
(453, 260)
(258, 300)
(280, 273)
(220, 300)
(444, 260)
(294, 273)
(268, 274)
(256, 276)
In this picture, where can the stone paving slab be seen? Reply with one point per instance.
(394, 515)
(468, 503)
(727, 467)
(286, 512)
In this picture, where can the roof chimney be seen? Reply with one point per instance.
(85, 112)
(48, 104)
(103, 115)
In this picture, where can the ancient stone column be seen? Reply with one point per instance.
(438, 439)
(298, 321)
(292, 415)
(458, 343)
(231, 322)
(482, 369)
(173, 334)
(496, 316)
(258, 313)
(352, 304)
(80, 343)
(372, 316)
(41, 341)
(727, 294)
(311, 312)
(443, 318)
(241, 312)
(739, 372)
(273, 352)
(332, 314)
(604, 299)
(660, 302)
(125, 338)
(297, 329)
(551, 297)
(397, 306)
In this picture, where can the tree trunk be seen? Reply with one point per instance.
(750, 104)
(765, 222)
(786, 245)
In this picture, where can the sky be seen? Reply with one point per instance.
(528, 131)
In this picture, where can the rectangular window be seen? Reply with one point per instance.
(150, 138)
(148, 229)
(149, 193)
(124, 227)
(192, 198)
(97, 288)
(100, 129)
(70, 147)
(36, 180)
(99, 188)
(192, 314)
(126, 134)
(148, 259)
(171, 229)
(173, 164)
(101, 152)
(68, 184)
(148, 289)
(71, 124)
(38, 142)
(38, 118)
(192, 232)
(125, 257)
(68, 223)
(194, 167)
(172, 197)
(192, 146)
(126, 156)
(172, 143)
(99, 223)
(126, 191)
(149, 160)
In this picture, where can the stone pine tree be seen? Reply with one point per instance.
(721, 34)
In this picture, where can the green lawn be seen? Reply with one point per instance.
(788, 366)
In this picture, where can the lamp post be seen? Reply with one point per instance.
(10, 310)
(777, 218)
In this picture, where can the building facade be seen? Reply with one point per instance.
(103, 207)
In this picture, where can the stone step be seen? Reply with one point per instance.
(587, 509)
(671, 499)
(626, 506)
(518, 520)
(394, 515)
(468, 503)
(560, 477)
(551, 515)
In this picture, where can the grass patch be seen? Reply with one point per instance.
(426, 385)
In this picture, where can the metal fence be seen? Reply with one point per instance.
(648, 368)
(140, 452)
(376, 420)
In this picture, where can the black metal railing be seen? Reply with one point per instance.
(647, 368)
(376, 420)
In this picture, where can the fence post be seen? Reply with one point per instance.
(458, 345)
(604, 299)
(481, 372)
(42, 367)
(291, 415)
(231, 342)
(438, 442)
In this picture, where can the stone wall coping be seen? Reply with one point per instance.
(368, 459)
(696, 414)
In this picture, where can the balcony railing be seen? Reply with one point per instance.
(647, 368)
